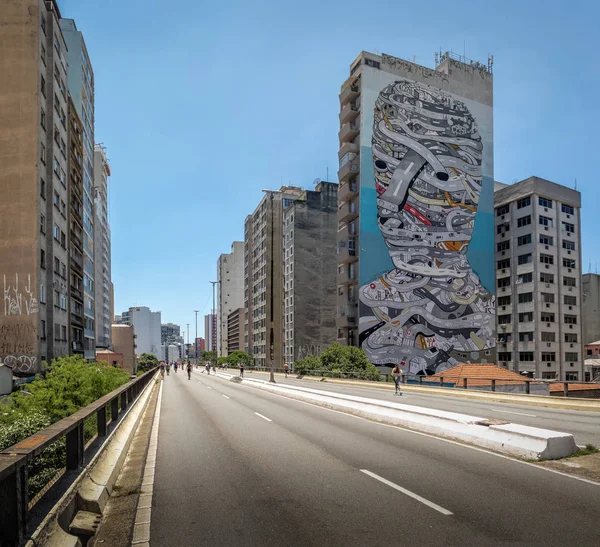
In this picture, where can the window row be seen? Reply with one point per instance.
(546, 298)
(527, 317)
(546, 356)
(526, 202)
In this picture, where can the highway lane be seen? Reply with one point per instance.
(238, 466)
(584, 426)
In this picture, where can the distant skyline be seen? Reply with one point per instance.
(202, 106)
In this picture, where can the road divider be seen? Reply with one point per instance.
(500, 436)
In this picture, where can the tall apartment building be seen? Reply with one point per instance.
(235, 321)
(230, 291)
(75, 178)
(81, 88)
(263, 277)
(102, 264)
(538, 271)
(310, 272)
(147, 328)
(34, 317)
(415, 260)
(590, 290)
(210, 331)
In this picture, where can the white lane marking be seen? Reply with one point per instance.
(410, 166)
(209, 387)
(408, 493)
(263, 417)
(517, 413)
(225, 396)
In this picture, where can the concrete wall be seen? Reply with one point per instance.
(590, 315)
(124, 343)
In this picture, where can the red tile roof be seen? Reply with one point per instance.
(559, 386)
(479, 375)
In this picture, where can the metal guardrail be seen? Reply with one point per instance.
(14, 498)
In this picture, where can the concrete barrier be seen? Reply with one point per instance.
(497, 435)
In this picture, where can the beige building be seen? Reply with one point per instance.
(234, 334)
(34, 227)
(230, 291)
(123, 340)
(538, 278)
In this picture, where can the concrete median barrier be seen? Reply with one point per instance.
(500, 436)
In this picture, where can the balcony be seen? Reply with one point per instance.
(349, 93)
(348, 211)
(346, 232)
(348, 131)
(348, 148)
(345, 253)
(348, 190)
(348, 170)
(346, 321)
(347, 275)
(348, 112)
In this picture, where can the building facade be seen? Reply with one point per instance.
(199, 346)
(230, 291)
(124, 342)
(102, 260)
(310, 271)
(415, 276)
(81, 88)
(147, 328)
(34, 227)
(590, 290)
(538, 277)
(210, 331)
(263, 277)
(235, 322)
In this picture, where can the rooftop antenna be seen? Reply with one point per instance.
(575, 184)
(316, 181)
(327, 177)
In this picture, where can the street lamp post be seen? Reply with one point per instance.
(213, 327)
(196, 338)
(188, 342)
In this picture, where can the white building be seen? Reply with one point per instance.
(538, 279)
(210, 331)
(230, 291)
(147, 325)
(172, 353)
(102, 267)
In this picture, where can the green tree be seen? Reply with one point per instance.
(146, 362)
(237, 357)
(208, 355)
(222, 361)
(307, 364)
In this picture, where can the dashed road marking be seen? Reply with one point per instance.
(263, 417)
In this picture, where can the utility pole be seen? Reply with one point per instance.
(212, 327)
(188, 342)
(196, 337)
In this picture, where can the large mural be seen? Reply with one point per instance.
(428, 310)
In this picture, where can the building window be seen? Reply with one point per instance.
(526, 337)
(547, 297)
(42, 224)
(526, 317)
(546, 375)
(42, 259)
(572, 376)
(568, 227)
(545, 203)
(546, 221)
(370, 62)
(43, 188)
(56, 232)
(570, 300)
(571, 356)
(548, 356)
(568, 263)
(504, 356)
(503, 210)
(524, 221)
(43, 24)
(503, 246)
(546, 240)
(42, 294)
(526, 356)
(43, 118)
(503, 264)
(567, 209)
(524, 240)
(525, 278)
(569, 245)
(504, 301)
(524, 259)
(548, 337)
(568, 281)
(525, 297)
(42, 329)
(56, 199)
(525, 202)
(504, 282)
(43, 153)
(546, 259)
(570, 338)
(546, 277)
(570, 319)
(504, 227)
(504, 319)
(547, 317)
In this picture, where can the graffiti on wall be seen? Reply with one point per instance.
(19, 300)
(431, 306)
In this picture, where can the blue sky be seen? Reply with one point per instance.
(203, 104)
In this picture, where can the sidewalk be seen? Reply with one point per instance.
(570, 403)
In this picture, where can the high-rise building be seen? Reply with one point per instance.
(310, 241)
(81, 88)
(170, 334)
(415, 267)
(590, 291)
(124, 342)
(75, 178)
(34, 227)
(234, 332)
(147, 328)
(102, 262)
(210, 331)
(538, 271)
(230, 291)
(199, 346)
(263, 277)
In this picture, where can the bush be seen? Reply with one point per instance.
(307, 364)
(342, 360)
(237, 357)
(146, 362)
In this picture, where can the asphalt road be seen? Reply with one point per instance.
(241, 467)
(584, 426)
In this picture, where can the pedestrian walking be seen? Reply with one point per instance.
(397, 374)
(286, 367)
(241, 370)
(189, 370)
(162, 371)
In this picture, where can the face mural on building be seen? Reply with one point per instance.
(431, 306)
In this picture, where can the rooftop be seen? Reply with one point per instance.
(478, 374)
